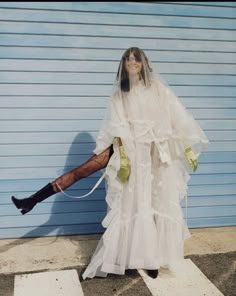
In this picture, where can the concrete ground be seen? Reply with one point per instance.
(29, 255)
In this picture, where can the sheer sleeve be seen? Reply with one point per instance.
(186, 130)
(107, 132)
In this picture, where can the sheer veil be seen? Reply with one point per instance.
(185, 128)
(120, 88)
(146, 74)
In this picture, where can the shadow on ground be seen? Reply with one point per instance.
(129, 284)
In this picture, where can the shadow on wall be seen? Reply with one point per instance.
(71, 206)
(66, 208)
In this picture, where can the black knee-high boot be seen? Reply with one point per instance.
(95, 163)
(27, 204)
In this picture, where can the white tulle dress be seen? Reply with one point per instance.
(145, 226)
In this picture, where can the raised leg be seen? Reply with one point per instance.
(92, 165)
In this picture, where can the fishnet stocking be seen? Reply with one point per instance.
(92, 165)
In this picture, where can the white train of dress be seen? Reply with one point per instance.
(145, 226)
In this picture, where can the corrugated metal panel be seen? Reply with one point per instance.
(58, 63)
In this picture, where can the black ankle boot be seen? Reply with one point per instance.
(152, 273)
(27, 204)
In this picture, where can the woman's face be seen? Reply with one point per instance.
(132, 65)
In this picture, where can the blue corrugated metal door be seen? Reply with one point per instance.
(57, 65)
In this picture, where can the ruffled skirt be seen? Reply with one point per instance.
(145, 227)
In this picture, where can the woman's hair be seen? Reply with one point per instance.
(122, 75)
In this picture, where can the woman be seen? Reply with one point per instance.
(145, 228)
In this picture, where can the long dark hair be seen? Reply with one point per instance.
(123, 76)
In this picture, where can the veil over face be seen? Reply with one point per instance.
(122, 77)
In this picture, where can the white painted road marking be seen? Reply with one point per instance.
(191, 281)
(53, 283)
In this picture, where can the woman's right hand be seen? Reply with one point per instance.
(192, 159)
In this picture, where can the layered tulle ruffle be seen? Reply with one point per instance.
(142, 231)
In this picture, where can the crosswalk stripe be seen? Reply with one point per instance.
(53, 283)
(191, 281)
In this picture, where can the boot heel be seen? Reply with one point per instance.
(23, 212)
